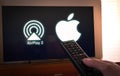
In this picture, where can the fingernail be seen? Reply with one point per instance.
(87, 59)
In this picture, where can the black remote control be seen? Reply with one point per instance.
(76, 55)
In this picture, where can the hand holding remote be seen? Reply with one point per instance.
(76, 55)
(106, 67)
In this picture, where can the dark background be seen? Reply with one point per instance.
(14, 41)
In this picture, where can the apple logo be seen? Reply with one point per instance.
(67, 30)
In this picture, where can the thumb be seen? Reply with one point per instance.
(94, 63)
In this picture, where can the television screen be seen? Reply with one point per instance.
(35, 32)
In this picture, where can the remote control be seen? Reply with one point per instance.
(76, 55)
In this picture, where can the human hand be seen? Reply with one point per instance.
(106, 67)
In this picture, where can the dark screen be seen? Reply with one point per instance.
(15, 43)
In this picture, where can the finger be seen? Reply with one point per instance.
(95, 63)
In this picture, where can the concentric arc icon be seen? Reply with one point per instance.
(33, 24)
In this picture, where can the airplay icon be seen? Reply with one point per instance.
(67, 29)
(33, 31)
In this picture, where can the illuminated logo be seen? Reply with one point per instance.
(33, 31)
(67, 30)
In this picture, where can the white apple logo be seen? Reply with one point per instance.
(67, 30)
